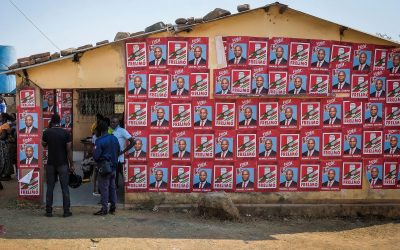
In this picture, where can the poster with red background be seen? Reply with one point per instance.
(268, 114)
(241, 81)
(181, 114)
(341, 53)
(181, 178)
(373, 169)
(225, 115)
(352, 173)
(391, 174)
(180, 84)
(222, 82)
(28, 122)
(159, 146)
(310, 113)
(380, 57)
(247, 113)
(393, 89)
(245, 175)
(309, 176)
(373, 114)
(331, 175)
(137, 177)
(279, 52)
(319, 83)
(268, 145)
(310, 144)
(260, 80)
(298, 81)
(203, 114)
(202, 175)
(392, 115)
(30, 183)
(267, 177)
(363, 57)
(353, 112)
(223, 177)
(393, 62)
(199, 83)
(136, 53)
(203, 146)
(278, 82)
(27, 98)
(289, 143)
(360, 85)
(332, 113)
(225, 143)
(373, 143)
(177, 51)
(341, 79)
(158, 174)
(299, 53)
(198, 55)
(246, 145)
(258, 51)
(377, 89)
(320, 54)
(332, 144)
(158, 85)
(237, 50)
(289, 175)
(391, 143)
(140, 150)
(29, 155)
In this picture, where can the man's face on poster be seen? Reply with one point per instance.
(29, 152)
(238, 51)
(341, 76)
(393, 141)
(279, 52)
(248, 112)
(259, 81)
(159, 175)
(203, 176)
(297, 82)
(289, 175)
(160, 113)
(138, 145)
(331, 175)
(137, 81)
(362, 58)
(182, 145)
(197, 52)
(268, 144)
(374, 110)
(321, 55)
(288, 113)
(332, 112)
(224, 145)
(158, 53)
(180, 83)
(353, 142)
(245, 175)
(50, 100)
(203, 114)
(67, 119)
(396, 60)
(28, 121)
(224, 84)
(379, 85)
(374, 172)
(310, 144)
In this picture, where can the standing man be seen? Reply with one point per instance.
(59, 162)
(122, 136)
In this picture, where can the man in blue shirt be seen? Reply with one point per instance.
(106, 148)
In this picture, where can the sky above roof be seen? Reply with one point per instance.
(75, 23)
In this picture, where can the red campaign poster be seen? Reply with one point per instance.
(278, 81)
(223, 177)
(289, 176)
(373, 169)
(332, 113)
(237, 53)
(309, 177)
(136, 114)
(48, 102)
(278, 52)
(137, 177)
(139, 152)
(222, 82)
(393, 62)
(298, 81)
(267, 177)
(159, 146)
(241, 81)
(203, 146)
(392, 115)
(330, 175)
(352, 142)
(181, 145)
(28, 122)
(310, 113)
(390, 174)
(203, 114)
(289, 114)
(247, 113)
(159, 116)
(45, 156)
(332, 143)
(29, 182)
(391, 143)
(137, 85)
(373, 142)
(179, 84)
(46, 121)
(246, 146)
(268, 115)
(181, 115)
(136, 53)
(198, 56)
(268, 145)
(341, 53)
(245, 176)
(341, 78)
(380, 57)
(299, 53)
(225, 145)
(158, 175)
(363, 57)
(310, 144)
(260, 84)
(28, 152)
(66, 99)
(319, 83)
(289, 145)
(66, 119)
(225, 114)
(360, 85)
(199, 83)
(27, 98)
(373, 114)
(158, 87)
(352, 174)
(258, 51)
(157, 52)
(377, 89)
(180, 177)
(393, 90)
(353, 112)
(320, 54)
(202, 175)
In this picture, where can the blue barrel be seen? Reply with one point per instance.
(7, 58)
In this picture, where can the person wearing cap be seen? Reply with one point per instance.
(197, 60)
(238, 58)
(203, 183)
(279, 60)
(158, 59)
(331, 182)
(320, 63)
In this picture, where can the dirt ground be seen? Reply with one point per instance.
(25, 227)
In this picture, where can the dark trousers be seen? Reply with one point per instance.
(63, 176)
(120, 170)
(107, 190)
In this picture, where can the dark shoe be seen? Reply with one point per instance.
(67, 214)
(48, 214)
(112, 210)
(1, 186)
(100, 212)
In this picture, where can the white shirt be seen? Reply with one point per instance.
(288, 121)
(122, 136)
(288, 183)
(137, 153)
(332, 120)
(137, 90)
(237, 60)
(310, 152)
(244, 184)
(159, 122)
(28, 160)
